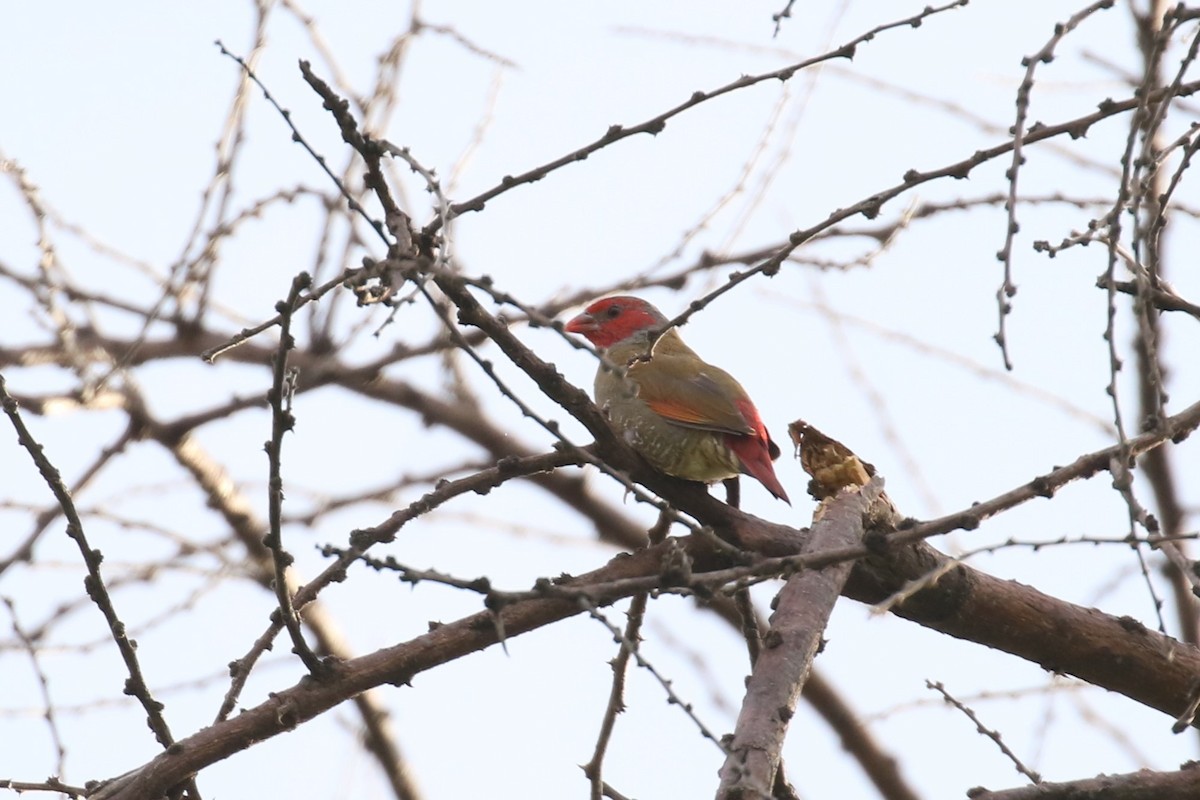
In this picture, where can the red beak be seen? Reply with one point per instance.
(585, 323)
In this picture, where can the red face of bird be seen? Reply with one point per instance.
(614, 319)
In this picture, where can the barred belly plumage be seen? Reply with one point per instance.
(691, 453)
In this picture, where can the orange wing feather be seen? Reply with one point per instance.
(696, 399)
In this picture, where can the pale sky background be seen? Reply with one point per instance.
(113, 112)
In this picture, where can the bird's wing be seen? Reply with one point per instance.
(707, 398)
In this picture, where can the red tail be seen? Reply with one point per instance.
(756, 462)
(754, 451)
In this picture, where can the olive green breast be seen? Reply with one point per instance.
(686, 452)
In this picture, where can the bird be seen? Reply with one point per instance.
(685, 416)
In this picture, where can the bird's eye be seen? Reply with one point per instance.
(613, 312)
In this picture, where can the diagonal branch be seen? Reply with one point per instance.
(657, 124)
(1183, 784)
(95, 586)
(1117, 654)
(789, 647)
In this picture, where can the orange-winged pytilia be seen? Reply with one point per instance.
(685, 416)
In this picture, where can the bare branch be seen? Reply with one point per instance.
(789, 647)
(1143, 785)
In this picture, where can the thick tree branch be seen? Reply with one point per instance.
(785, 660)
(1183, 784)
(1118, 654)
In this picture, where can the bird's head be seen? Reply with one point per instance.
(615, 319)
